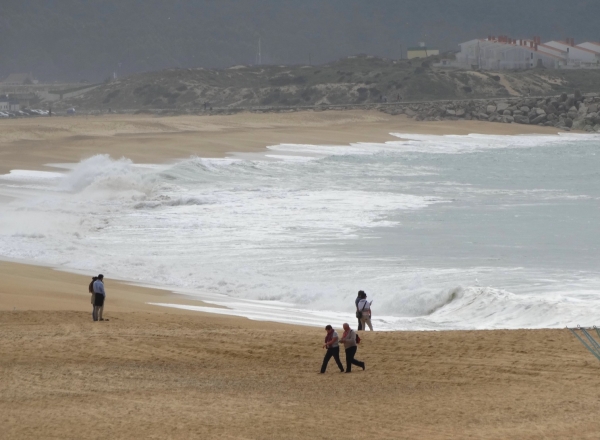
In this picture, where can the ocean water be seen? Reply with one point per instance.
(442, 232)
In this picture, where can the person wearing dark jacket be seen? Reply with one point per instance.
(333, 349)
(349, 341)
(91, 290)
(356, 301)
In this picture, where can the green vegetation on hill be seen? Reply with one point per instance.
(354, 80)
(82, 39)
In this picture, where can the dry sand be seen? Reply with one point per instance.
(31, 143)
(175, 374)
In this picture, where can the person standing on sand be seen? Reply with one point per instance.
(349, 341)
(356, 301)
(91, 290)
(333, 349)
(99, 297)
(365, 309)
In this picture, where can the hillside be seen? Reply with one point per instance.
(79, 39)
(355, 80)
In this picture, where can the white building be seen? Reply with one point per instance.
(504, 53)
(4, 104)
(576, 55)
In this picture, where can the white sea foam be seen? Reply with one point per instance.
(292, 236)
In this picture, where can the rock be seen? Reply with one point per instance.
(450, 112)
(597, 128)
(568, 122)
(540, 111)
(577, 95)
(508, 119)
(563, 97)
(507, 112)
(572, 115)
(552, 117)
(490, 109)
(589, 128)
(482, 116)
(410, 113)
(521, 119)
(582, 109)
(569, 102)
(501, 106)
(525, 109)
(578, 124)
(460, 112)
(539, 119)
(593, 108)
(517, 113)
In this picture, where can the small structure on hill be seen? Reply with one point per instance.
(422, 51)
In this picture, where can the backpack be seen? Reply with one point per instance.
(357, 338)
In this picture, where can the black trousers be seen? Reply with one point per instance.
(359, 324)
(332, 353)
(350, 353)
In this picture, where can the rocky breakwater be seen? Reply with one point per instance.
(567, 112)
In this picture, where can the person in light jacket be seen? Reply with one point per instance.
(365, 308)
(333, 349)
(99, 297)
(349, 341)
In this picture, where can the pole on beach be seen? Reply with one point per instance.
(593, 346)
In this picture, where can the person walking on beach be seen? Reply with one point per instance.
(349, 341)
(364, 307)
(358, 315)
(333, 349)
(99, 297)
(91, 290)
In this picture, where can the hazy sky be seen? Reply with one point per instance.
(79, 39)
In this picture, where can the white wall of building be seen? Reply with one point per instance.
(574, 53)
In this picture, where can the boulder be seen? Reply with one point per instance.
(539, 111)
(508, 119)
(563, 97)
(482, 116)
(539, 119)
(525, 109)
(570, 102)
(460, 112)
(507, 112)
(410, 113)
(593, 108)
(597, 128)
(568, 122)
(577, 95)
(521, 119)
(450, 112)
(490, 109)
(501, 106)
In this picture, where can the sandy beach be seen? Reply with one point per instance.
(153, 372)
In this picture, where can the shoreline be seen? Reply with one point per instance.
(36, 144)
